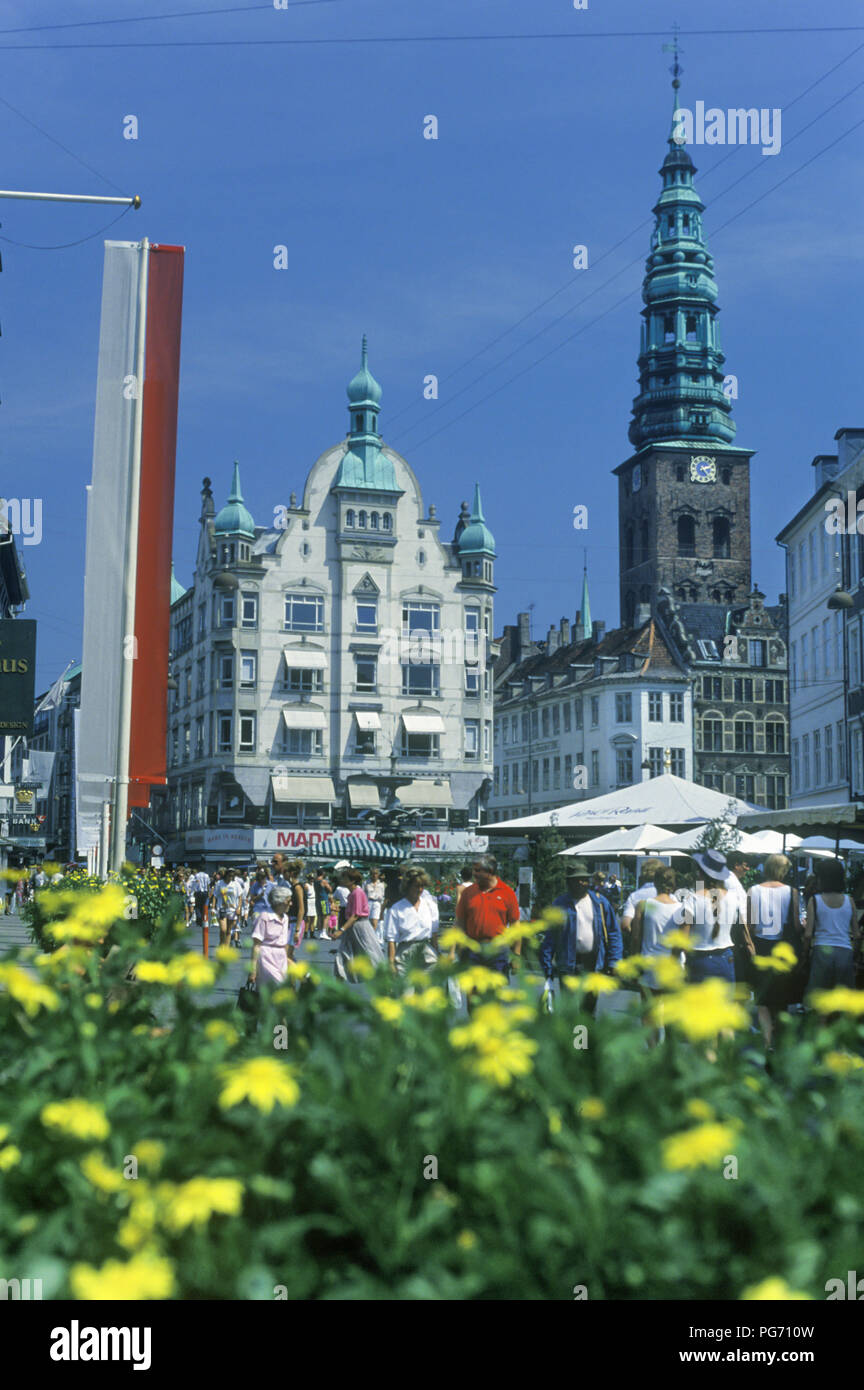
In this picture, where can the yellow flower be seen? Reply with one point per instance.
(752, 1084)
(193, 970)
(699, 1110)
(88, 1029)
(139, 1226)
(629, 969)
(555, 1122)
(501, 1058)
(218, 1028)
(9, 1156)
(4, 1130)
(701, 1011)
(147, 1275)
(150, 1152)
(519, 931)
(93, 1001)
(781, 959)
(428, 1001)
(592, 1108)
(478, 977)
(192, 1203)
(599, 984)
(554, 917)
(80, 1118)
(97, 1171)
(701, 1147)
(775, 1290)
(677, 940)
(297, 970)
(839, 1001)
(466, 1240)
(263, 1081)
(455, 936)
(30, 993)
(489, 1021)
(667, 972)
(389, 1009)
(226, 954)
(842, 1062)
(362, 967)
(152, 972)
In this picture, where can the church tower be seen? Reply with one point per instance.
(684, 494)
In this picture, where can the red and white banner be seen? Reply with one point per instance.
(106, 645)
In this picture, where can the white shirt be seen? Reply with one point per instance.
(404, 923)
(700, 907)
(646, 891)
(200, 882)
(585, 925)
(311, 909)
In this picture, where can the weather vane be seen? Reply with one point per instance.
(676, 68)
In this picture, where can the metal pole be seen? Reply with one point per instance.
(124, 730)
(104, 839)
(134, 202)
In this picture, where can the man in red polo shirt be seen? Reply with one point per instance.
(486, 908)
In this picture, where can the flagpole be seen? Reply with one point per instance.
(127, 669)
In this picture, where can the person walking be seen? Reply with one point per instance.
(653, 919)
(832, 927)
(410, 926)
(772, 916)
(708, 913)
(589, 939)
(199, 887)
(323, 890)
(466, 878)
(311, 904)
(374, 889)
(258, 891)
(646, 889)
(270, 943)
(297, 908)
(227, 905)
(485, 909)
(356, 935)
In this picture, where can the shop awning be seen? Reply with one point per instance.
(363, 794)
(423, 723)
(306, 658)
(845, 819)
(304, 717)
(425, 793)
(367, 719)
(303, 789)
(357, 847)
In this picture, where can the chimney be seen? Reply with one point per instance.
(598, 630)
(565, 632)
(524, 620)
(827, 466)
(850, 442)
(643, 615)
(551, 641)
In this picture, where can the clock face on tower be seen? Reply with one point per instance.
(703, 469)
(637, 477)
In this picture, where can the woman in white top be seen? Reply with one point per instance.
(832, 926)
(411, 926)
(772, 916)
(374, 891)
(710, 912)
(654, 917)
(311, 905)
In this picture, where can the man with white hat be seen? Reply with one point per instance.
(711, 911)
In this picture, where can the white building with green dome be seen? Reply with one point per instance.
(333, 663)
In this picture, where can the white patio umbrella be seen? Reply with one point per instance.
(664, 800)
(819, 843)
(747, 844)
(642, 839)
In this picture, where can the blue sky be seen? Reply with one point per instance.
(435, 249)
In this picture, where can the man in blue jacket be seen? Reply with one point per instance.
(590, 937)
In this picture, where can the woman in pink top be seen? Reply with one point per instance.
(270, 941)
(357, 936)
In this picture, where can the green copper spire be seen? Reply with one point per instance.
(476, 538)
(235, 517)
(585, 608)
(681, 373)
(364, 464)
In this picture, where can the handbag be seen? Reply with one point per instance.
(247, 997)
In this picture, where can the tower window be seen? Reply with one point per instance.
(691, 328)
(726, 476)
(720, 537)
(387, 522)
(373, 521)
(686, 536)
(668, 329)
(685, 222)
(679, 473)
(358, 422)
(349, 517)
(361, 520)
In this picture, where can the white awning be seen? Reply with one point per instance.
(304, 717)
(423, 723)
(425, 793)
(367, 719)
(305, 658)
(363, 794)
(303, 789)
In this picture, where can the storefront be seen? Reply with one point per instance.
(242, 844)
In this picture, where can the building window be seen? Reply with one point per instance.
(421, 680)
(775, 736)
(805, 760)
(568, 771)
(566, 715)
(712, 735)
(796, 765)
(656, 762)
(623, 707)
(686, 536)
(187, 743)
(535, 775)
(743, 690)
(302, 741)
(226, 671)
(505, 779)
(364, 742)
(534, 724)
(676, 707)
(841, 750)
(829, 754)
(556, 774)
(745, 788)
(624, 766)
(248, 670)
(712, 687)
(249, 610)
(202, 619)
(757, 653)
(487, 740)
(386, 522)
(525, 726)
(817, 757)
(366, 673)
(421, 624)
(472, 740)
(720, 538)
(655, 706)
(544, 721)
(546, 774)
(366, 615)
(775, 792)
(556, 719)
(577, 713)
(595, 768)
(350, 518)
(224, 737)
(225, 610)
(304, 613)
(525, 773)
(595, 711)
(472, 682)
(300, 681)
(744, 736)
(199, 738)
(678, 764)
(373, 521)
(247, 733)
(775, 692)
